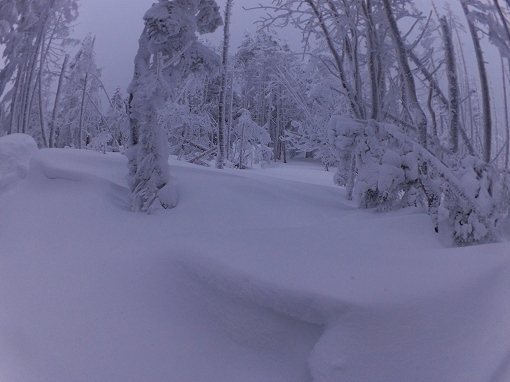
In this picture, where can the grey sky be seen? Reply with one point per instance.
(118, 24)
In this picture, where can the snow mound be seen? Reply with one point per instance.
(80, 165)
(15, 153)
(250, 278)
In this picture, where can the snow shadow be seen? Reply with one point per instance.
(278, 327)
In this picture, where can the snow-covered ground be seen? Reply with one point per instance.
(256, 275)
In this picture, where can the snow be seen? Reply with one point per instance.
(256, 275)
(15, 153)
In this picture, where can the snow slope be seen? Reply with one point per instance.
(250, 278)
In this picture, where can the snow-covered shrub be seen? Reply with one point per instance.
(385, 168)
(379, 169)
(100, 142)
(481, 183)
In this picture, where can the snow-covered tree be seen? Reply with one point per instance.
(263, 62)
(112, 131)
(79, 115)
(32, 34)
(484, 82)
(251, 141)
(187, 120)
(223, 88)
(118, 119)
(390, 161)
(168, 52)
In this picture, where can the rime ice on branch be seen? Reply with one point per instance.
(168, 53)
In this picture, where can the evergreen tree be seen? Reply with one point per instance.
(168, 52)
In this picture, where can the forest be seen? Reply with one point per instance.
(260, 212)
(382, 90)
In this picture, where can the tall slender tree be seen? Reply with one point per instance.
(453, 85)
(484, 82)
(220, 159)
(418, 115)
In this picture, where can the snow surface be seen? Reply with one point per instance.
(250, 278)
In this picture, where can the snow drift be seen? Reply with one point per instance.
(15, 153)
(250, 278)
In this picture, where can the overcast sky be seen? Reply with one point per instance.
(118, 24)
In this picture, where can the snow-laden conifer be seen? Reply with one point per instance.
(168, 53)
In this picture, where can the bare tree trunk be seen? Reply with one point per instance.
(507, 122)
(469, 118)
(82, 111)
(40, 100)
(372, 59)
(29, 87)
(41, 114)
(14, 104)
(432, 113)
(507, 119)
(484, 83)
(410, 88)
(53, 122)
(230, 114)
(82, 107)
(220, 159)
(453, 86)
(241, 149)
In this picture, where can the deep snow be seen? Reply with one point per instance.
(256, 275)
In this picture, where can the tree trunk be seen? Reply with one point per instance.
(29, 85)
(241, 149)
(40, 100)
(484, 83)
(230, 114)
(417, 113)
(14, 104)
(355, 107)
(453, 86)
(220, 159)
(373, 46)
(82, 111)
(507, 119)
(53, 123)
